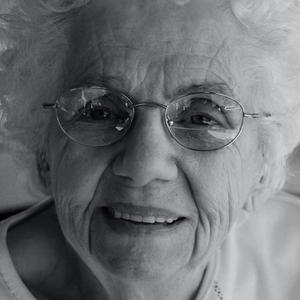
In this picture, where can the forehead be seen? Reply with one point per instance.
(154, 39)
(141, 22)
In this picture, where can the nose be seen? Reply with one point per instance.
(148, 153)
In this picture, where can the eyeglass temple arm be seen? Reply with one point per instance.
(257, 115)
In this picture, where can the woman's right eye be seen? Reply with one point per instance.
(100, 114)
(96, 113)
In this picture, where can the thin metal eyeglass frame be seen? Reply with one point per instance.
(155, 104)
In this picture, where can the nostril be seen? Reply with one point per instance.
(139, 172)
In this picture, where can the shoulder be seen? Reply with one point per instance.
(260, 258)
(35, 245)
(37, 257)
(278, 221)
(286, 203)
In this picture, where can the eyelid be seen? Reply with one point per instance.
(224, 122)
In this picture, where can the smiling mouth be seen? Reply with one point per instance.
(141, 219)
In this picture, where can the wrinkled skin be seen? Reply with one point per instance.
(150, 50)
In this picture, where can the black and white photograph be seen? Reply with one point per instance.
(149, 149)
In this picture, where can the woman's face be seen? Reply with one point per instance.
(151, 52)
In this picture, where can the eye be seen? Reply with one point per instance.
(96, 113)
(94, 108)
(200, 112)
(100, 114)
(102, 110)
(202, 119)
(196, 119)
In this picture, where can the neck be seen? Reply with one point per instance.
(184, 285)
(176, 287)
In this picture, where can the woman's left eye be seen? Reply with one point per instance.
(196, 120)
(202, 120)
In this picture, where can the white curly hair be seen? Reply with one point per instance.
(35, 37)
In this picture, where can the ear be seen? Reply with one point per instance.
(43, 170)
(257, 196)
(254, 201)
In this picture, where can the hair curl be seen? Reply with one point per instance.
(36, 33)
(274, 25)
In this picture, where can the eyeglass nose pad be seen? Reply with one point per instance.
(169, 122)
(122, 124)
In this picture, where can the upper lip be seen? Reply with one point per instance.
(144, 211)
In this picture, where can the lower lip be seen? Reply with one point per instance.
(127, 226)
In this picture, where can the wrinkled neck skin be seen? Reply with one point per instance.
(184, 285)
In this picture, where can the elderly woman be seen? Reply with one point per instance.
(160, 130)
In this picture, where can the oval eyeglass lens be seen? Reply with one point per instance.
(204, 121)
(94, 116)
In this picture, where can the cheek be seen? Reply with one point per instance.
(75, 169)
(214, 180)
(75, 174)
(220, 182)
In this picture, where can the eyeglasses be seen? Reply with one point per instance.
(99, 116)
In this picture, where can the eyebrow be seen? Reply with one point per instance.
(109, 81)
(216, 87)
(122, 84)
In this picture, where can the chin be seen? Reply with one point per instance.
(137, 270)
(138, 260)
(141, 253)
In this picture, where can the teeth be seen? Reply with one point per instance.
(170, 220)
(150, 220)
(160, 220)
(136, 218)
(117, 214)
(140, 219)
(125, 216)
